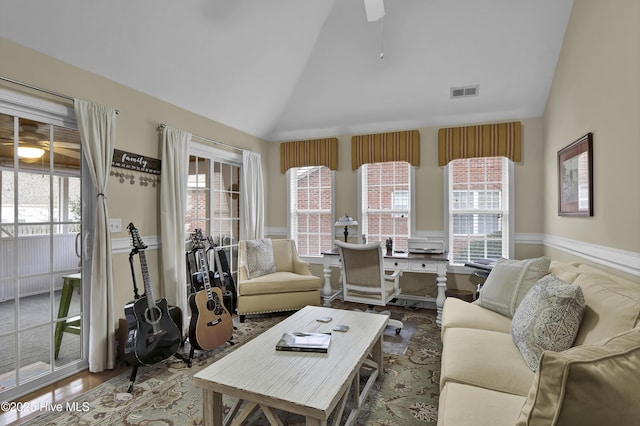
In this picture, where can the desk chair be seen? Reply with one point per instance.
(364, 279)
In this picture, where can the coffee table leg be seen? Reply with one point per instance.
(212, 409)
(377, 355)
(310, 421)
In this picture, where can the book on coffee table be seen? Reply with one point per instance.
(304, 342)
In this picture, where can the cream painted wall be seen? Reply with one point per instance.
(136, 132)
(596, 88)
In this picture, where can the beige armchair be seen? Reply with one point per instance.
(288, 286)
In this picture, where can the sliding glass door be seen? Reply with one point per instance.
(42, 303)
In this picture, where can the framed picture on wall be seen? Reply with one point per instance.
(575, 178)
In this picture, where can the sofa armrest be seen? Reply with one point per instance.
(301, 267)
(242, 273)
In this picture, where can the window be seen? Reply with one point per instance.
(478, 208)
(311, 216)
(213, 198)
(386, 202)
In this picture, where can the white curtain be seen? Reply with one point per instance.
(252, 197)
(97, 127)
(173, 195)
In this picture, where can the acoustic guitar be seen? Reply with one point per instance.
(153, 335)
(211, 324)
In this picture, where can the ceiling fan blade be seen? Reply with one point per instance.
(67, 152)
(374, 9)
(58, 144)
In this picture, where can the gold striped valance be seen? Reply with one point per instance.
(487, 140)
(381, 147)
(314, 152)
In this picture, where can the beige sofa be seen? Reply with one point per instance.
(289, 286)
(486, 381)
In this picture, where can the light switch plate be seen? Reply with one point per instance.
(115, 225)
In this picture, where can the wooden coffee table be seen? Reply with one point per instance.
(313, 385)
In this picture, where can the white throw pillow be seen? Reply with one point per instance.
(509, 281)
(547, 319)
(259, 259)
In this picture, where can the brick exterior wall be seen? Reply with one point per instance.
(477, 174)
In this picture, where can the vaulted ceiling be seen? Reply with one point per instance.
(292, 69)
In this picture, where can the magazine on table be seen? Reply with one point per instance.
(304, 342)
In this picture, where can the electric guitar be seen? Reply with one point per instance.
(153, 336)
(223, 276)
(211, 324)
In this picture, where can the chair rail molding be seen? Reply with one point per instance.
(123, 245)
(276, 232)
(622, 260)
(524, 238)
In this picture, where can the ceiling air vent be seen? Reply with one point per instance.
(463, 92)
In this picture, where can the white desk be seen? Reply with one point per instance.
(405, 262)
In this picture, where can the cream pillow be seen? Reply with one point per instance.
(508, 283)
(587, 385)
(547, 319)
(259, 259)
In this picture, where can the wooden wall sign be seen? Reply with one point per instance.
(137, 162)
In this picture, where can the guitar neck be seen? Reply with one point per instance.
(148, 290)
(204, 270)
(219, 266)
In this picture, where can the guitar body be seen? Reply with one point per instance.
(132, 333)
(211, 324)
(155, 336)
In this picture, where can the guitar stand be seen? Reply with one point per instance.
(182, 357)
(195, 286)
(189, 360)
(136, 296)
(132, 378)
(134, 370)
(136, 366)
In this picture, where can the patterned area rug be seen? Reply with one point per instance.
(164, 395)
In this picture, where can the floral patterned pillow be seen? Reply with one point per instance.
(259, 258)
(548, 318)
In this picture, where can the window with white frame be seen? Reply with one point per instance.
(478, 208)
(386, 202)
(213, 198)
(311, 209)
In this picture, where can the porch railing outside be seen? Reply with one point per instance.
(29, 259)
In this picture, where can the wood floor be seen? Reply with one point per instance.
(59, 392)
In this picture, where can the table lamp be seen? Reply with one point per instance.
(346, 221)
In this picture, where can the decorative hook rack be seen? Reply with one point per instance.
(131, 178)
(131, 163)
